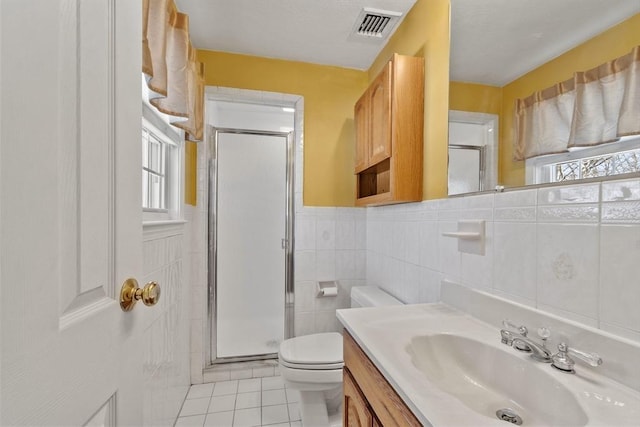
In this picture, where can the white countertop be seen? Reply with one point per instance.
(385, 334)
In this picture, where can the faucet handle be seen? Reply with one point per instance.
(506, 337)
(562, 360)
(544, 333)
(592, 359)
(522, 330)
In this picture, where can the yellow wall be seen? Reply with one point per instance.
(331, 92)
(609, 45)
(329, 96)
(190, 168)
(425, 32)
(475, 97)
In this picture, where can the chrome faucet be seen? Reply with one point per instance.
(521, 342)
(538, 352)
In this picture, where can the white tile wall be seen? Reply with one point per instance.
(567, 268)
(571, 250)
(406, 254)
(619, 279)
(166, 345)
(329, 245)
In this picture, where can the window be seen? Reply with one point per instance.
(604, 160)
(154, 168)
(161, 174)
(593, 167)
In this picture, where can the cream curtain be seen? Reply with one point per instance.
(147, 68)
(174, 77)
(629, 122)
(195, 107)
(595, 107)
(543, 121)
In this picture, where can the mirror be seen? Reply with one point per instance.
(503, 50)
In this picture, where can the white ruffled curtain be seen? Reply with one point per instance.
(543, 121)
(594, 107)
(174, 77)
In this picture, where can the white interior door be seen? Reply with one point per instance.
(251, 226)
(70, 216)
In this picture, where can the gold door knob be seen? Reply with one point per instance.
(131, 293)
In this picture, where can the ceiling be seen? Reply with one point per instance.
(496, 41)
(492, 41)
(315, 31)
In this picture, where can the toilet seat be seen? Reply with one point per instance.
(311, 379)
(315, 367)
(313, 352)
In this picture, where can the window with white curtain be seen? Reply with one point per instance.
(596, 107)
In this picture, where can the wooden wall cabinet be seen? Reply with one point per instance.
(369, 400)
(389, 122)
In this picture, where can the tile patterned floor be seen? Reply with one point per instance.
(241, 403)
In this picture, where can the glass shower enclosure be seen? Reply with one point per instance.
(250, 249)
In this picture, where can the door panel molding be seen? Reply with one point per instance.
(105, 416)
(87, 122)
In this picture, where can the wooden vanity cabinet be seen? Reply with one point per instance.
(356, 411)
(369, 400)
(389, 124)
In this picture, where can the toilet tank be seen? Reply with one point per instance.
(371, 296)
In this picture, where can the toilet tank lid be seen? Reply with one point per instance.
(314, 349)
(372, 296)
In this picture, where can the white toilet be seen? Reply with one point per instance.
(312, 364)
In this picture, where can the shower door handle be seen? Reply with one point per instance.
(284, 243)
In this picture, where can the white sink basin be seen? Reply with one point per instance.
(451, 370)
(487, 379)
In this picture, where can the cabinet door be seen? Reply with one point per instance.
(361, 118)
(356, 412)
(380, 106)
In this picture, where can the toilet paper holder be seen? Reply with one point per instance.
(327, 288)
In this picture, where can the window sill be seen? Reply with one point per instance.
(160, 229)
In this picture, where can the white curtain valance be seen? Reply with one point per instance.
(174, 77)
(629, 121)
(543, 121)
(594, 107)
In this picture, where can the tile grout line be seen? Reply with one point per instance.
(235, 400)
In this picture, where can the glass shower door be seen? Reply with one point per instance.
(251, 253)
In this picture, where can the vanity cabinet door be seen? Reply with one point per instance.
(356, 412)
(384, 407)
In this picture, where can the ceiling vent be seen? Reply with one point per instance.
(374, 24)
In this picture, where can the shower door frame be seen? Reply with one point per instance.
(482, 162)
(212, 250)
